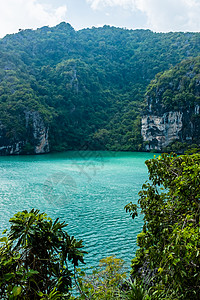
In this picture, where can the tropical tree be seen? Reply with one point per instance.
(35, 256)
(168, 258)
(104, 282)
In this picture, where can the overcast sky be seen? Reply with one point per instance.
(157, 15)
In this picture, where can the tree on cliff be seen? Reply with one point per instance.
(168, 258)
(34, 258)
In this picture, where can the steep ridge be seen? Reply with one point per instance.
(172, 115)
(81, 89)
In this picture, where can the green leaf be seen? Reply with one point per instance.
(3, 239)
(17, 257)
(8, 276)
(17, 290)
(31, 272)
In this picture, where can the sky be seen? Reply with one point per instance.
(156, 15)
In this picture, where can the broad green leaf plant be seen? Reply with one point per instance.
(168, 258)
(34, 257)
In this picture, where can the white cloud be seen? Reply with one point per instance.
(15, 14)
(99, 4)
(162, 15)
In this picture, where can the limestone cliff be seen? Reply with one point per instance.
(35, 141)
(160, 131)
(173, 107)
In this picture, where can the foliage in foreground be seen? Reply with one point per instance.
(109, 281)
(104, 282)
(168, 258)
(34, 258)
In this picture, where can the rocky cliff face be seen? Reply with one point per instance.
(160, 131)
(35, 141)
(39, 132)
(173, 107)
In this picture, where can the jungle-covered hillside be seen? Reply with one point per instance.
(81, 89)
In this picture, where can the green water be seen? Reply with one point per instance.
(86, 189)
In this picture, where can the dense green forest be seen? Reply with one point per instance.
(81, 89)
(167, 261)
(171, 117)
(176, 88)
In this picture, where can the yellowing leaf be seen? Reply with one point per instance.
(17, 290)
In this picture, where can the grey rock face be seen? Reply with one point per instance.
(13, 149)
(36, 137)
(39, 131)
(172, 112)
(160, 131)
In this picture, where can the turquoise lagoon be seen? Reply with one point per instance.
(86, 189)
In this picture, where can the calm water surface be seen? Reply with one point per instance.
(88, 190)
